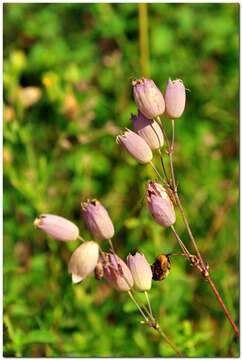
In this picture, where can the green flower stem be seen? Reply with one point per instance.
(181, 243)
(156, 171)
(165, 337)
(80, 238)
(149, 305)
(138, 307)
(163, 167)
(152, 323)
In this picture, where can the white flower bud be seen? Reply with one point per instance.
(141, 271)
(83, 261)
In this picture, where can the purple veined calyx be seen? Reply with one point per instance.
(97, 219)
(58, 227)
(175, 98)
(160, 204)
(117, 273)
(149, 130)
(148, 98)
(136, 146)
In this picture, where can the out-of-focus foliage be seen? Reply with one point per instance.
(67, 93)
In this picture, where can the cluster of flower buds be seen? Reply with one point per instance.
(148, 136)
(121, 276)
(85, 258)
(151, 104)
(89, 258)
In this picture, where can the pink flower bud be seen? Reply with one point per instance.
(117, 273)
(175, 98)
(136, 146)
(83, 261)
(149, 130)
(57, 227)
(160, 205)
(97, 219)
(141, 271)
(148, 98)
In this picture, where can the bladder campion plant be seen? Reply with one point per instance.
(162, 197)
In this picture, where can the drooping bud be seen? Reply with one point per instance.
(97, 219)
(57, 227)
(136, 146)
(141, 271)
(83, 261)
(175, 98)
(160, 205)
(117, 273)
(149, 130)
(148, 98)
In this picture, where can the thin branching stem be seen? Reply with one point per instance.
(181, 243)
(202, 267)
(165, 337)
(150, 321)
(137, 305)
(158, 119)
(156, 171)
(149, 318)
(163, 167)
(171, 149)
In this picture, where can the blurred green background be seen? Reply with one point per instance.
(67, 93)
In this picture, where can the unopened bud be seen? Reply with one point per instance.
(83, 261)
(160, 205)
(175, 98)
(148, 98)
(57, 227)
(149, 130)
(141, 271)
(136, 146)
(97, 219)
(117, 273)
